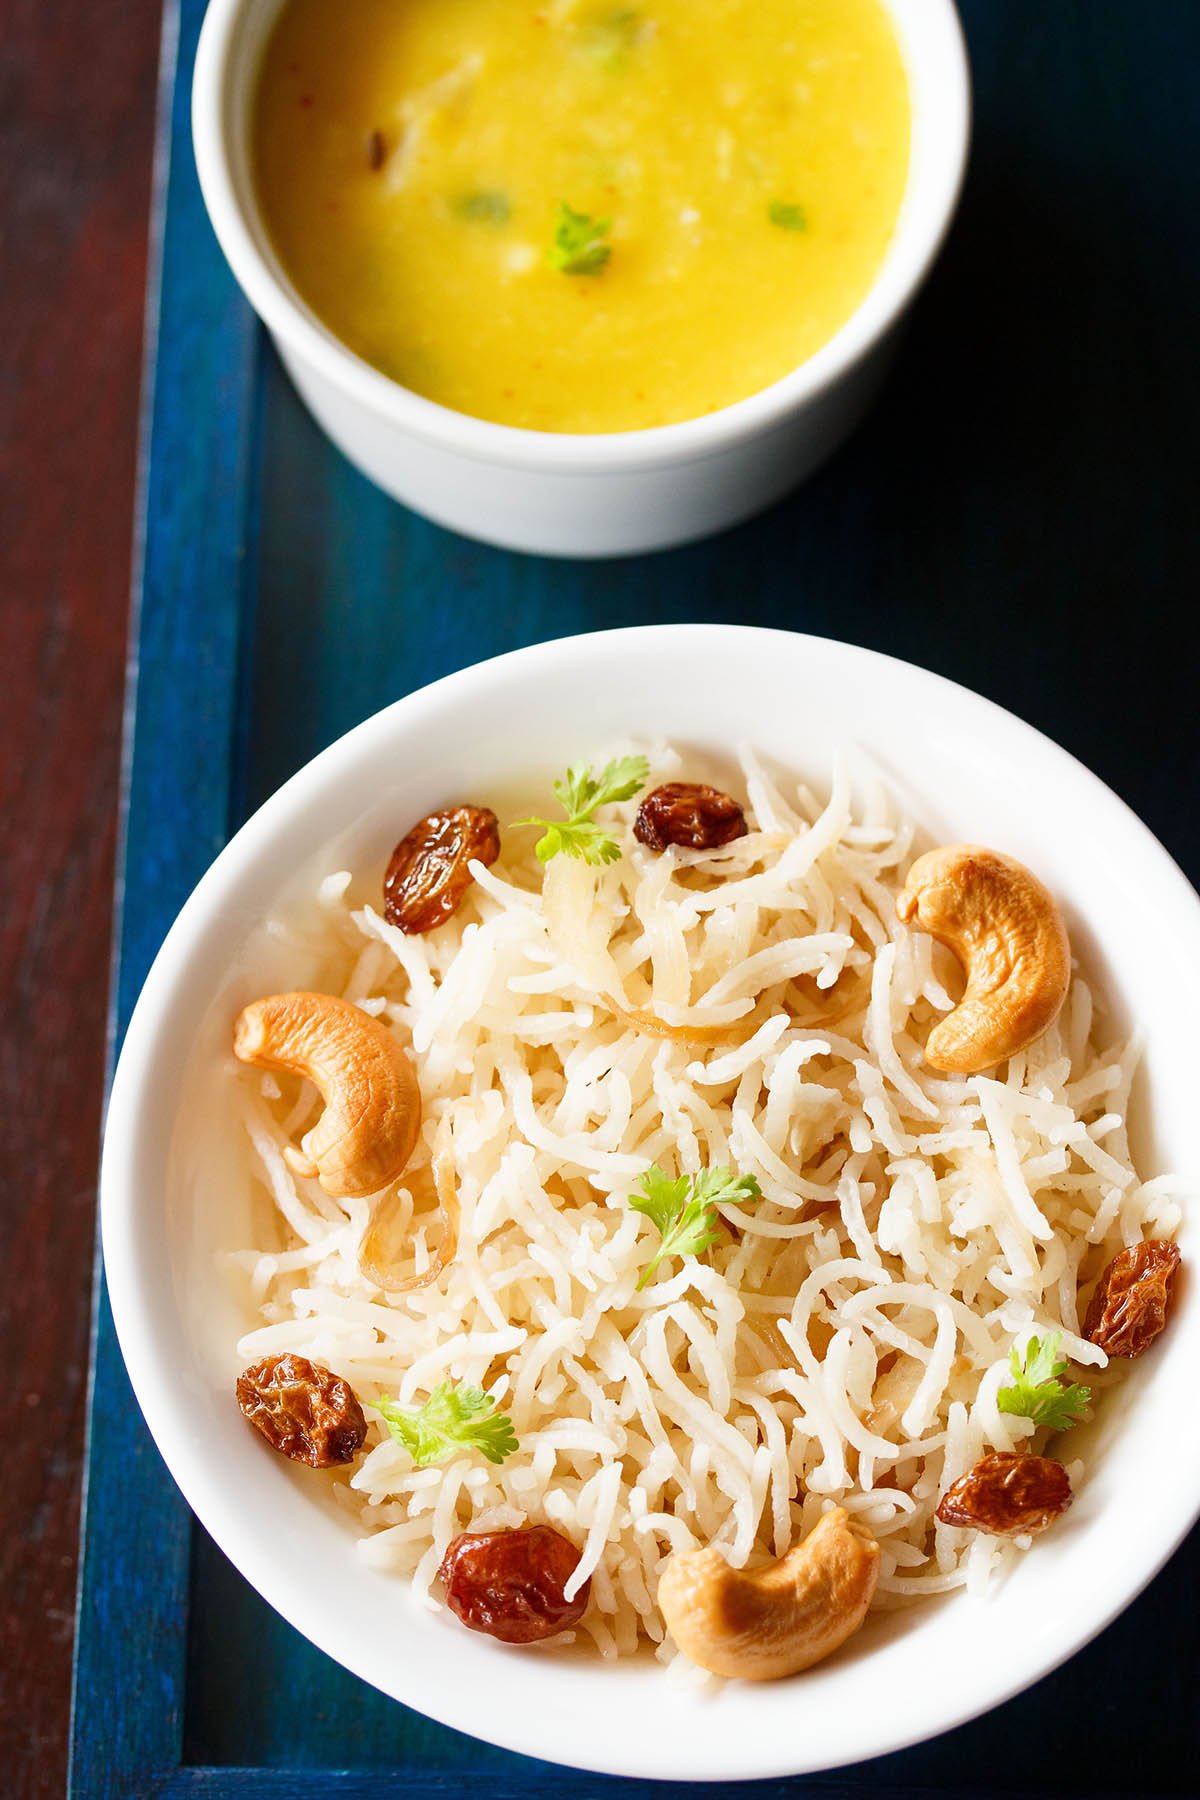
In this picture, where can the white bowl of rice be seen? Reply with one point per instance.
(843, 1341)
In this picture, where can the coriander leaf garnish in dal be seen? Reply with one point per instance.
(579, 247)
(787, 215)
(608, 40)
(486, 206)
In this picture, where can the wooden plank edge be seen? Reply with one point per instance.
(128, 1686)
(81, 1759)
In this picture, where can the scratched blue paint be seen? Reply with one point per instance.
(1018, 513)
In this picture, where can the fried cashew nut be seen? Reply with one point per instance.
(368, 1129)
(1007, 932)
(765, 1623)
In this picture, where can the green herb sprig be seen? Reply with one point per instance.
(1036, 1392)
(579, 247)
(486, 206)
(451, 1420)
(787, 215)
(608, 41)
(684, 1211)
(580, 795)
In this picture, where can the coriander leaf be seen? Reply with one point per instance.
(579, 247)
(591, 843)
(684, 1211)
(579, 796)
(453, 1418)
(620, 780)
(576, 795)
(1036, 1392)
(661, 1199)
(607, 41)
(787, 215)
(487, 207)
(582, 792)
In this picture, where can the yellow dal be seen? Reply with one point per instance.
(684, 122)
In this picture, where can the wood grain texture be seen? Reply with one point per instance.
(1017, 514)
(77, 87)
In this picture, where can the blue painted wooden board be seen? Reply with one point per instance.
(1018, 514)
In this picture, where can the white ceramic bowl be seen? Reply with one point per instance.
(583, 495)
(174, 1190)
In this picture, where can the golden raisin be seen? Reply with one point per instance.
(428, 875)
(1008, 1495)
(509, 1584)
(303, 1410)
(688, 814)
(1132, 1298)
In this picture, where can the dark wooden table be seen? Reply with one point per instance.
(77, 85)
(1020, 512)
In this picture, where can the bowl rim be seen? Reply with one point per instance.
(131, 1100)
(907, 262)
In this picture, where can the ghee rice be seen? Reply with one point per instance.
(843, 1345)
